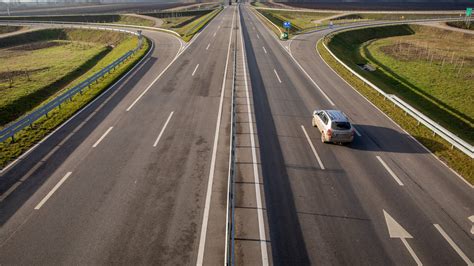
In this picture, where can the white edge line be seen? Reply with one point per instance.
(395, 123)
(312, 148)
(453, 245)
(101, 138)
(205, 219)
(412, 253)
(278, 77)
(389, 170)
(261, 226)
(43, 201)
(79, 111)
(163, 129)
(194, 72)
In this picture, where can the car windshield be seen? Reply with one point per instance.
(341, 125)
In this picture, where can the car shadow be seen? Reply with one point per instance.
(376, 138)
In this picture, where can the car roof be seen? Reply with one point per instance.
(337, 115)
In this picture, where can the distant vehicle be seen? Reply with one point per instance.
(333, 125)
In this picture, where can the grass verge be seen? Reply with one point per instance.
(300, 21)
(8, 29)
(429, 68)
(23, 86)
(190, 23)
(457, 160)
(26, 138)
(461, 25)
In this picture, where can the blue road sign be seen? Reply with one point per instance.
(286, 25)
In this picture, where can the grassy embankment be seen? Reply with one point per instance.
(87, 44)
(405, 67)
(303, 21)
(8, 29)
(300, 21)
(461, 25)
(186, 23)
(114, 19)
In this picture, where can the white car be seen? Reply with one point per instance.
(334, 126)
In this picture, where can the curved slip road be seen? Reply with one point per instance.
(126, 180)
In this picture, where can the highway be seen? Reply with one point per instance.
(125, 181)
(333, 205)
(140, 175)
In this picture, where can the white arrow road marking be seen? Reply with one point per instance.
(43, 201)
(395, 230)
(453, 245)
(194, 72)
(163, 130)
(389, 171)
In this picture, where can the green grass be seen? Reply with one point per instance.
(404, 66)
(8, 29)
(300, 21)
(454, 158)
(28, 137)
(23, 86)
(188, 26)
(137, 21)
(461, 25)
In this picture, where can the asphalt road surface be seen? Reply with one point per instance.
(140, 176)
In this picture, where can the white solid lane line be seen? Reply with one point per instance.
(265, 50)
(312, 148)
(195, 70)
(261, 225)
(43, 201)
(207, 204)
(163, 129)
(390, 171)
(208, 46)
(278, 77)
(453, 245)
(101, 138)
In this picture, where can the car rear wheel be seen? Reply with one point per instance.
(322, 137)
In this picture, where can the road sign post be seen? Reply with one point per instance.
(468, 17)
(287, 26)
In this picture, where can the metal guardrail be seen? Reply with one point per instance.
(28, 120)
(230, 247)
(454, 140)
